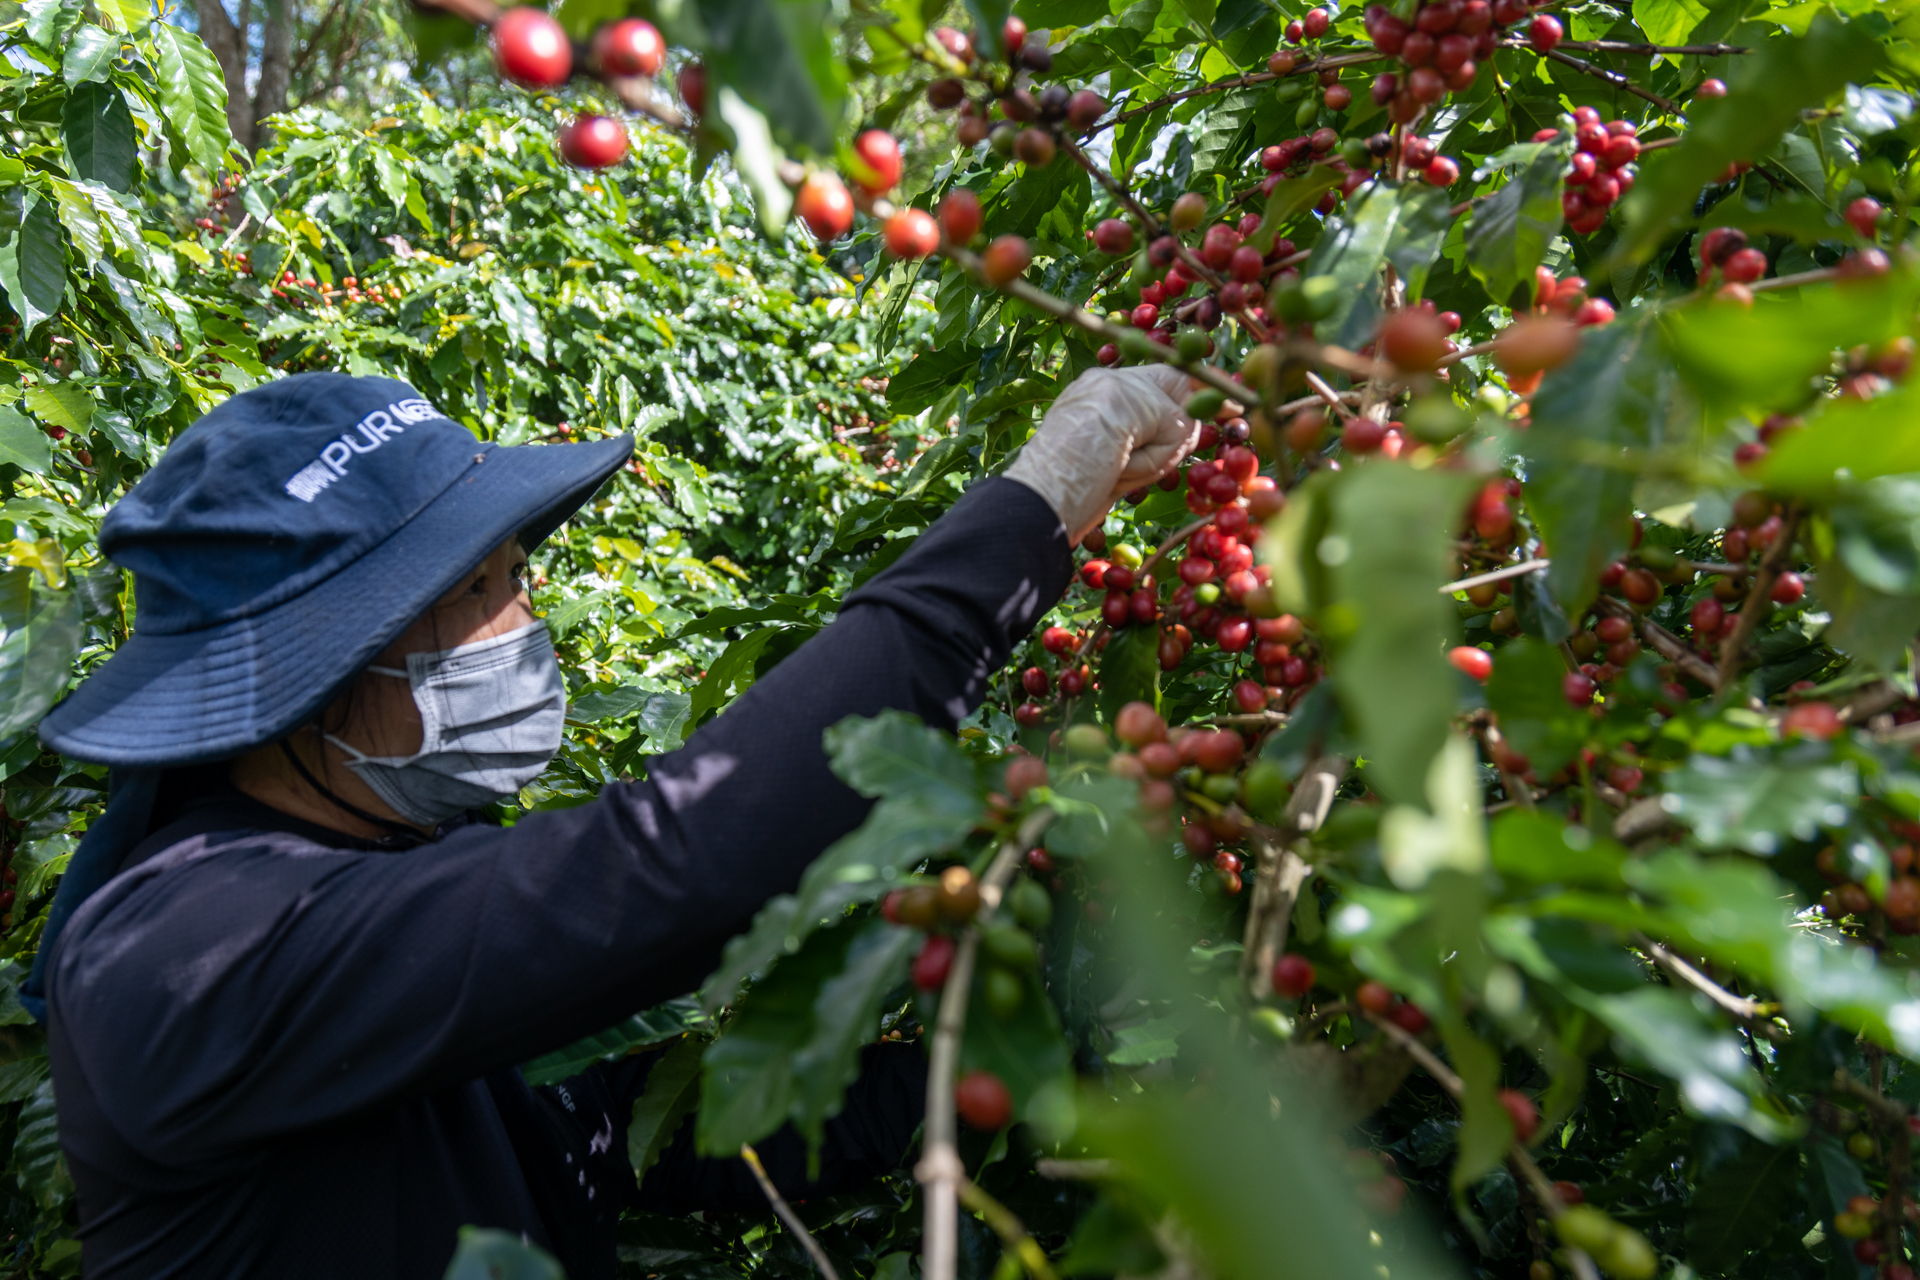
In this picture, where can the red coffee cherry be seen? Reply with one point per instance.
(983, 1100)
(593, 142)
(1521, 1110)
(825, 205)
(934, 963)
(531, 49)
(912, 233)
(879, 155)
(1292, 976)
(960, 216)
(630, 47)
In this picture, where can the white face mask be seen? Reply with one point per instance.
(491, 715)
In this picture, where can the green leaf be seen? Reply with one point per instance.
(63, 405)
(1847, 441)
(1223, 141)
(1666, 1030)
(846, 1017)
(733, 667)
(98, 131)
(1873, 627)
(1524, 691)
(1289, 200)
(1543, 849)
(929, 804)
(1130, 671)
(1030, 197)
(1757, 802)
(1486, 1130)
(38, 1165)
(758, 161)
(1389, 549)
(1741, 1206)
(1026, 1050)
(1767, 89)
(1590, 419)
(22, 443)
(90, 54)
(650, 1026)
(1668, 21)
(193, 96)
(486, 1254)
(1508, 232)
(794, 1044)
(33, 256)
(1768, 357)
(1352, 250)
(36, 659)
(988, 17)
(930, 375)
(671, 1094)
(778, 54)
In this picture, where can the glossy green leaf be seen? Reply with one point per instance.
(98, 130)
(193, 94)
(22, 443)
(1387, 552)
(1130, 671)
(90, 54)
(671, 1094)
(1758, 802)
(1741, 1206)
(33, 256)
(1524, 690)
(648, 1027)
(39, 1167)
(1509, 231)
(1589, 418)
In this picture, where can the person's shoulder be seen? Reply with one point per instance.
(177, 910)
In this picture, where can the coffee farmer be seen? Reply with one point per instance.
(287, 976)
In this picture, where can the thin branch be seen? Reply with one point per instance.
(786, 1213)
(1333, 398)
(1758, 598)
(1628, 46)
(1520, 570)
(1012, 1232)
(1086, 320)
(1817, 276)
(940, 1170)
(1739, 1006)
(1282, 873)
(1517, 1154)
(1075, 1170)
(1246, 81)
(1613, 78)
(1662, 642)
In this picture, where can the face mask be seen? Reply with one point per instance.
(491, 713)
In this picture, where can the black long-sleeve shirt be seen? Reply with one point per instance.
(278, 1053)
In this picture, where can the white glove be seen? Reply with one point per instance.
(1112, 431)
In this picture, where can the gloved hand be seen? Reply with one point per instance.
(1112, 431)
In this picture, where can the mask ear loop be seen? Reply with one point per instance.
(386, 824)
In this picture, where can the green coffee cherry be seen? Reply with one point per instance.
(1585, 1227)
(1136, 345)
(1001, 140)
(1012, 947)
(1628, 1256)
(1005, 993)
(1289, 88)
(1270, 1024)
(1220, 786)
(1263, 790)
(1657, 558)
(1089, 742)
(1032, 905)
(1354, 152)
(1204, 403)
(1193, 344)
(1207, 593)
(1312, 298)
(1126, 554)
(1307, 112)
(1261, 366)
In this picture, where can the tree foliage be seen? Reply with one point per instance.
(1610, 964)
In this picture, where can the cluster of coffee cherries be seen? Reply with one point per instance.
(1899, 901)
(1009, 116)
(1226, 791)
(1443, 48)
(1601, 170)
(952, 900)
(1863, 1221)
(1165, 308)
(531, 49)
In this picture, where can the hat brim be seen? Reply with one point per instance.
(200, 696)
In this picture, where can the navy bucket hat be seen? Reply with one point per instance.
(284, 540)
